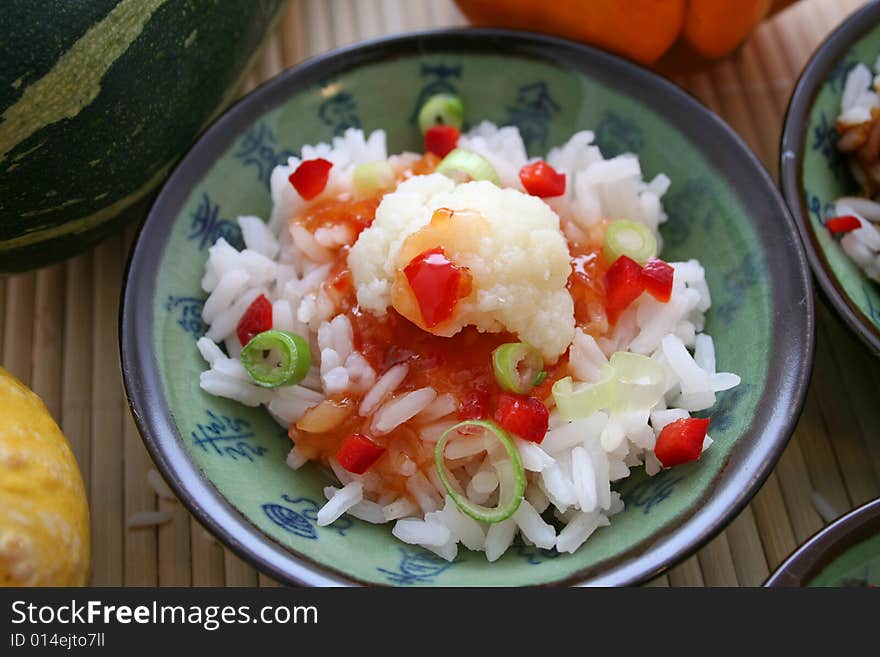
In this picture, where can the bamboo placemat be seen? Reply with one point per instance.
(58, 334)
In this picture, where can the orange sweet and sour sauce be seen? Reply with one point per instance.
(460, 365)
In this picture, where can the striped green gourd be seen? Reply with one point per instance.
(98, 100)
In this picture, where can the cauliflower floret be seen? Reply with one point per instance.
(513, 249)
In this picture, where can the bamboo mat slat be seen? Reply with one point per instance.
(687, 573)
(107, 409)
(58, 334)
(19, 322)
(749, 559)
(48, 324)
(174, 553)
(76, 366)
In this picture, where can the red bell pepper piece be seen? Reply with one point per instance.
(657, 277)
(357, 453)
(525, 417)
(437, 284)
(441, 139)
(540, 179)
(623, 285)
(843, 224)
(310, 177)
(681, 441)
(256, 319)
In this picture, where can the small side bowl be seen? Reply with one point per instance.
(227, 462)
(845, 553)
(814, 174)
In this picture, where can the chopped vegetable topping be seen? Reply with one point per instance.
(526, 417)
(256, 319)
(640, 381)
(517, 367)
(623, 285)
(442, 109)
(357, 453)
(540, 179)
(631, 239)
(276, 358)
(510, 471)
(372, 177)
(681, 441)
(843, 224)
(657, 277)
(441, 139)
(630, 382)
(576, 403)
(310, 177)
(463, 165)
(437, 284)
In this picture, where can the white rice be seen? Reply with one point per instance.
(859, 104)
(340, 501)
(569, 474)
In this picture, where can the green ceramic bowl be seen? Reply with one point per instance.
(227, 462)
(845, 553)
(814, 174)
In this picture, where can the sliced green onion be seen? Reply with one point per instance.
(629, 382)
(640, 381)
(540, 378)
(276, 358)
(442, 109)
(517, 365)
(510, 471)
(629, 238)
(576, 402)
(462, 164)
(373, 176)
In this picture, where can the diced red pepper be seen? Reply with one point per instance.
(525, 417)
(437, 283)
(310, 177)
(357, 453)
(475, 405)
(843, 224)
(441, 139)
(540, 179)
(256, 319)
(657, 277)
(623, 285)
(681, 441)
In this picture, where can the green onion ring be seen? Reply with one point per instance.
(290, 353)
(517, 367)
(510, 471)
(461, 163)
(372, 177)
(441, 109)
(629, 238)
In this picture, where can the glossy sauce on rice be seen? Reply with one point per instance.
(401, 384)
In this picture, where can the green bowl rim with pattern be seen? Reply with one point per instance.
(830, 542)
(791, 338)
(791, 160)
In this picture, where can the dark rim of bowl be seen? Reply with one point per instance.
(791, 162)
(826, 545)
(792, 332)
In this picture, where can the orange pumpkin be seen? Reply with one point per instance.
(686, 31)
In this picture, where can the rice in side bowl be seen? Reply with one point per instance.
(402, 364)
(858, 126)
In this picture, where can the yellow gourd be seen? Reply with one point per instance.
(44, 516)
